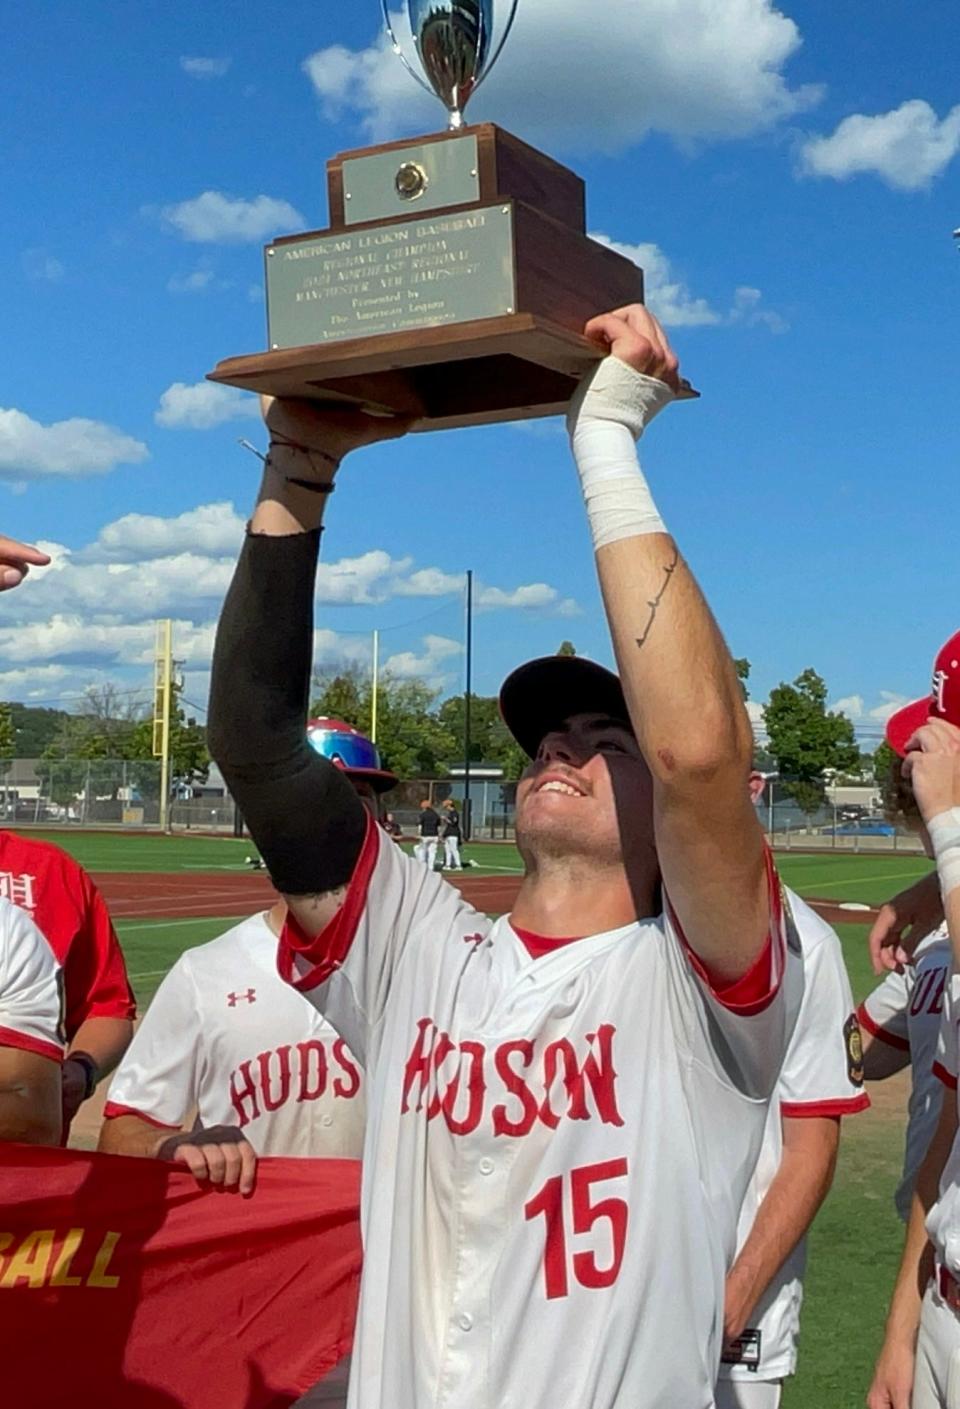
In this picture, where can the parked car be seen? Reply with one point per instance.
(862, 827)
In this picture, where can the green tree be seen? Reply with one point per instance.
(413, 740)
(8, 734)
(566, 648)
(189, 757)
(806, 738)
(34, 728)
(742, 666)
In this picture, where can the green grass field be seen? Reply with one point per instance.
(855, 1243)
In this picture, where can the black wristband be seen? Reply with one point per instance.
(90, 1067)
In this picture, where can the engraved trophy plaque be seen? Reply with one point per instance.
(455, 277)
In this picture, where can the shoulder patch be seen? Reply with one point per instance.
(853, 1043)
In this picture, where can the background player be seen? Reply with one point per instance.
(227, 1040)
(429, 824)
(451, 836)
(821, 1081)
(99, 1009)
(566, 1104)
(31, 1030)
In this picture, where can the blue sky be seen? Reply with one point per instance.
(787, 177)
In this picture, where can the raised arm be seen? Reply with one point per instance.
(302, 812)
(681, 687)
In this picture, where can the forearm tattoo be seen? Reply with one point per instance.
(654, 602)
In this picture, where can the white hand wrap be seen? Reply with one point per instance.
(608, 414)
(944, 830)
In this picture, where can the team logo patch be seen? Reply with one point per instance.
(745, 1350)
(853, 1042)
(234, 998)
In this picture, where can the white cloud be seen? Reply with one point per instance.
(534, 596)
(693, 69)
(747, 310)
(431, 582)
(202, 406)
(204, 68)
(43, 267)
(215, 218)
(850, 705)
(428, 662)
(72, 448)
(906, 147)
(212, 529)
(890, 702)
(193, 283)
(665, 294)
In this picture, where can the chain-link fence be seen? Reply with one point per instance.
(85, 792)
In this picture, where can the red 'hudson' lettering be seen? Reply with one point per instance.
(343, 1059)
(454, 1080)
(301, 1073)
(313, 1069)
(241, 1094)
(271, 1101)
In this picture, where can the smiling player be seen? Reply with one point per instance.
(566, 1104)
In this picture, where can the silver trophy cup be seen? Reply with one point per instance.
(456, 46)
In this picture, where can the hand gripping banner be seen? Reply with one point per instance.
(125, 1285)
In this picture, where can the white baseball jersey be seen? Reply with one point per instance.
(31, 988)
(943, 1220)
(822, 1076)
(227, 1037)
(557, 1149)
(904, 1011)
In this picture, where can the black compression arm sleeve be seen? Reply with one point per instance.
(302, 812)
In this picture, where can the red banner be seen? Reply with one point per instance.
(123, 1285)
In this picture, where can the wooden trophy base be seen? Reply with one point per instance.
(451, 287)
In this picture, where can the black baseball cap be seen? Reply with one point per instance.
(539, 696)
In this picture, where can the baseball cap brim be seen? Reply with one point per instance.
(902, 725)
(379, 779)
(539, 696)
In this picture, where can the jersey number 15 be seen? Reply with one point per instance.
(578, 1208)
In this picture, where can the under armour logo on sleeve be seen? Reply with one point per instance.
(234, 998)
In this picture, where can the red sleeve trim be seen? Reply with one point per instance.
(881, 1033)
(9, 1037)
(810, 1110)
(113, 1109)
(756, 989)
(945, 1076)
(326, 951)
(116, 1008)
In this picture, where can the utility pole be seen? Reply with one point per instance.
(467, 828)
(162, 698)
(376, 687)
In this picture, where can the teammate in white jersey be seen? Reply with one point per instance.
(226, 1041)
(922, 1371)
(564, 1106)
(901, 1024)
(821, 1081)
(31, 1027)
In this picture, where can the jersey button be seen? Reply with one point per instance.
(465, 1321)
(486, 1166)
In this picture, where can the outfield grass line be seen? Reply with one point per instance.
(126, 925)
(862, 880)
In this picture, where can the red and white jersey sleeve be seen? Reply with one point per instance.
(64, 902)
(946, 1063)
(157, 1078)
(393, 903)
(31, 991)
(883, 1013)
(822, 1076)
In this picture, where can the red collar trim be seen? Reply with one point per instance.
(537, 945)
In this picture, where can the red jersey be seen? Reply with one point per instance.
(67, 907)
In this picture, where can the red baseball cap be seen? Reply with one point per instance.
(943, 701)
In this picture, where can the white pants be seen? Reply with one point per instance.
(748, 1394)
(451, 852)
(426, 851)
(936, 1380)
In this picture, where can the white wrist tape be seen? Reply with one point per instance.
(944, 832)
(608, 414)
